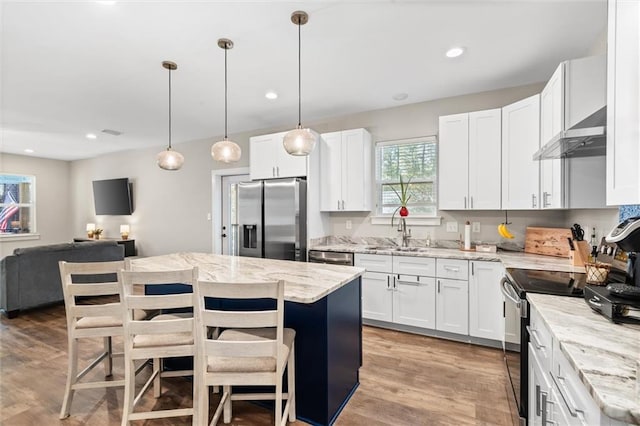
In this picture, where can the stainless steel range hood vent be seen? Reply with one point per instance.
(586, 139)
(579, 103)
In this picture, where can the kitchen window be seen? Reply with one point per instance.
(17, 205)
(415, 159)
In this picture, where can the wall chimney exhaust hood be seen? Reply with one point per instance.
(577, 105)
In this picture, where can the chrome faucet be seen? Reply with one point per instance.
(406, 233)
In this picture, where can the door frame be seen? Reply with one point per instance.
(216, 194)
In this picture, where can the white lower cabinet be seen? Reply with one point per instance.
(452, 308)
(485, 300)
(376, 296)
(414, 301)
(556, 393)
(449, 295)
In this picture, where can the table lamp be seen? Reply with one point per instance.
(124, 231)
(90, 228)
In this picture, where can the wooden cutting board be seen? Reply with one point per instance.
(547, 241)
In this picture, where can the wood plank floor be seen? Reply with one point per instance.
(405, 380)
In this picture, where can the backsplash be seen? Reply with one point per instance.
(625, 212)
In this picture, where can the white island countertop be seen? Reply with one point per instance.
(603, 354)
(304, 282)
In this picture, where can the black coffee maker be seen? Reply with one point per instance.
(627, 237)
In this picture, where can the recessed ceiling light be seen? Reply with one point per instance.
(107, 3)
(90, 136)
(454, 52)
(400, 96)
(28, 151)
(271, 95)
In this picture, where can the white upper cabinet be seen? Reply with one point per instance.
(453, 160)
(551, 124)
(485, 138)
(268, 158)
(345, 164)
(469, 148)
(520, 139)
(623, 103)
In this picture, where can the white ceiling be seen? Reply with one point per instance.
(69, 68)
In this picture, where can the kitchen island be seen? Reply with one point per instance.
(323, 305)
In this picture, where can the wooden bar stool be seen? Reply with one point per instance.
(165, 336)
(253, 349)
(85, 321)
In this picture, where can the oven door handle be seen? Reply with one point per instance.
(507, 289)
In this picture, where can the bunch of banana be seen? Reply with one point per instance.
(504, 232)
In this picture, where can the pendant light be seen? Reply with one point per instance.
(299, 141)
(225, 151)
(170, 159)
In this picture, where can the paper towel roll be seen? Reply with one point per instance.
(467, 236)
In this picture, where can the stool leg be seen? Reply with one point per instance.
(157, 384)
(278, 403)
(291, 383)
(227, 405)
(108, 361)
(129, 390)
(72, 373)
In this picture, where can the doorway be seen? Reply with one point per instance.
(224, 209)
(229, 213)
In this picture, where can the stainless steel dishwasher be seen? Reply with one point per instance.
(331, 257)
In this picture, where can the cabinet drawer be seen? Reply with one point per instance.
(452, 268)
(406, 265)
(541, 340)
(374, 262)
(575, 398)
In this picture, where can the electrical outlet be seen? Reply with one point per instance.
(348, 224)
(475, 226)
(452, 226)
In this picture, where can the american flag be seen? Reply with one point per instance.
(10, 209)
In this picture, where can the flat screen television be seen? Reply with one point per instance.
(113, 196)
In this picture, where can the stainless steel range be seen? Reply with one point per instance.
(515, 286)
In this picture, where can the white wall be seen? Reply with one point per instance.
(171, 207)
(53, 208)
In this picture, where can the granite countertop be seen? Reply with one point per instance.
(605, 355)
(304, 282)
(509, 259)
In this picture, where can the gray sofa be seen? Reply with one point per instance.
(30, 277)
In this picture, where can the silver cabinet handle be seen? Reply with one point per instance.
(438, 286)
(465, 202)
(451, 268)
(534, 337)
(278, 170)
(338, 204)
(273, 171)
(543, 397)
(538, 411)
(533, 201)
(545, 199)
(571, 405)
(342, 204)
(471, 202)
(395, 286)
(472, 268)
(388, 284)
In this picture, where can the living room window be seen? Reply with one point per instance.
(416, 160)
(17, 204)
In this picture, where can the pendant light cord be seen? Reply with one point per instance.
(169, 108)
(226, 48)
(299, 79)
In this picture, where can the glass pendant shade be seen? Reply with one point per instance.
(170, 159)
(299, 141)
(226, 151)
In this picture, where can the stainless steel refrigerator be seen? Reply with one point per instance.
(272, 219)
